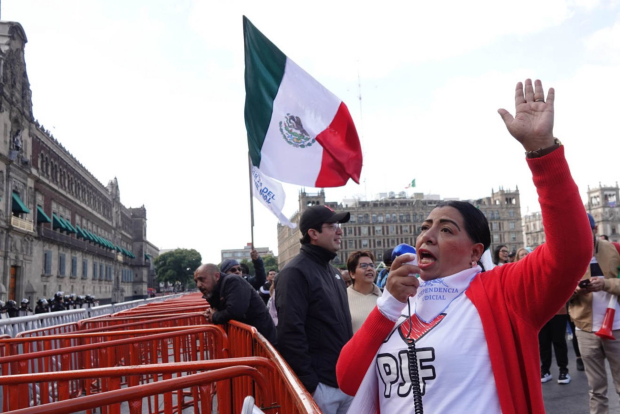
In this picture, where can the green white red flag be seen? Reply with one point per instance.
(298, 131)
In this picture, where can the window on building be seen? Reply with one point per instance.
(392, 229)
(374, 218)
(378, 243)
(364, 243)
(496, 238)
(73, 266)
(101, 274)
(513, 237)
(392, 243)
(595, 200)
(351, 244)
(84, 269)
(364, 230)
(366, 218)
(349, 231)
(360, 218)
(380, 218)
(95, 268)
(394, 218)
(378, 230)
(61, 264)
(405, 229)
(388, 218)
(407, 217)
(352, 220)
(495, 226)
(47, 263)
(511, 213)
(45, 291)
(512, 225)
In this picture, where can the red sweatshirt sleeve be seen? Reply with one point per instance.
(536, 287)
(357, 355)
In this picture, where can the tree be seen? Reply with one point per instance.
(177, 266)
(271, 263)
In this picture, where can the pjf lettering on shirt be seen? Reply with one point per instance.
(394, 371)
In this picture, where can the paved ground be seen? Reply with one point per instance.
(573, 398)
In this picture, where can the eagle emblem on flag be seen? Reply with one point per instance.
(292, 129)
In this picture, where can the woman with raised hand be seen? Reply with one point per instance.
(470, 344)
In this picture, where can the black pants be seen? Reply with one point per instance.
(553, 333)
(575, 344)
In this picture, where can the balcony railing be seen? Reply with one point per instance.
(22, 224)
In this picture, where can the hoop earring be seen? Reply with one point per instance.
(473, 263)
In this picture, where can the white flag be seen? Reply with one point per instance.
(271, 194)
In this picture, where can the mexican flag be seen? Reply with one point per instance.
(298, 131)
(411, 184)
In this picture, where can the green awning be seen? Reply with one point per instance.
(69, 226)
(57, 223)
(147, 257)
(41, 216)
(80, 232)
(19, 206)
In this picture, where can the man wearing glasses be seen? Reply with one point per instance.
(314, 321)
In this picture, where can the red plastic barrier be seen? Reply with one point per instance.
(289, 392)
(142, 322)
(200, 382)
(62, 329)
(152, 346)
(137, 375)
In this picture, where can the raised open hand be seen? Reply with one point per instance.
(532, 124)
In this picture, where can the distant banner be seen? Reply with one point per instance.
(270, 192)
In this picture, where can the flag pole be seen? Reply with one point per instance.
(251, 199)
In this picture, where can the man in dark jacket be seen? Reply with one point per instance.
(314, 321)
(233, 266)
(233, 298)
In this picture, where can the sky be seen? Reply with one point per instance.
(152, 92)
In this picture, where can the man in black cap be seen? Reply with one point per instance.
(234, 267)
(314, 321)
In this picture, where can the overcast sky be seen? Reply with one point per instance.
(152, 92)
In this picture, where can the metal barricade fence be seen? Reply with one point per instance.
(135, 375)
(70, 353)
(289, 393)
(162, 321)
(13, 326)
(184, 319)
(201, 385)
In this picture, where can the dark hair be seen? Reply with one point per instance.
(306, 237)
(354, 259)
(476, 224)
(244, 268)
(387, 257)
(605, 237)
(496, 253)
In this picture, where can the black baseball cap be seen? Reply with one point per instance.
(317, 215)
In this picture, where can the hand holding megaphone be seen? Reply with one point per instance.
(401, 282)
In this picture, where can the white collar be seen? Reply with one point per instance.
(434, 296)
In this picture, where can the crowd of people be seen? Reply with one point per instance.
(60, 302)
(444, 330)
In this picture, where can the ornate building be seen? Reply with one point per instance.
(385, 223)
(60, 228)
(602, 204)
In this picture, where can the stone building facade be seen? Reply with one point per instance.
(241, 254)
(603, 204)
(380, 224)
(60, 228)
